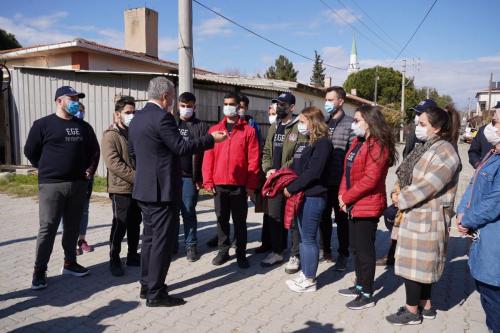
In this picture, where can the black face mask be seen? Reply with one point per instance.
(281, 111)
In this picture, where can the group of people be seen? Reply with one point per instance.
(308, 166)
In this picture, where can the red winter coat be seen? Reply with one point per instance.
(275, 184)
(367, 194)
(234, 161)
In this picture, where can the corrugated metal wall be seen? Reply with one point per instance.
(33, 93)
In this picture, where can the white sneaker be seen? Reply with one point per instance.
(302, 284)
(272, 259)
(293, 265)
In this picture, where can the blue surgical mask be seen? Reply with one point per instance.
(80, 115)
(73, 107)
(302, 128)
(330, 107)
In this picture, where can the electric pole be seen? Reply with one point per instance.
(403, 84)
(489, 92)
(376, 85)
(185, 46)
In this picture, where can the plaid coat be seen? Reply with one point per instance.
(428, 206)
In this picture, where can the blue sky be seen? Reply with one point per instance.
(457, 46)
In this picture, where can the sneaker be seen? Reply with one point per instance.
(272, 258)
(262, 249)
(73, 268)
(293, 265)
(302, 284)
(429, 313)
(340, 264)
(325, 256)
(221, 258)
(133, 259)
(115, 266)
(297, 280)
(242, 261)
(404, 317)
(213, 242)
(192, 253)
(84, 246)
(361, 302)
(39, 279)
(350, 292)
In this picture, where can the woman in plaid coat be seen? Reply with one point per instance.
(428, 179)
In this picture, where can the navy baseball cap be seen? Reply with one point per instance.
(285, 98)
(68, 91)
(425, 104)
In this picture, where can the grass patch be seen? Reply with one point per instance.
(100, 184)
(21, 186)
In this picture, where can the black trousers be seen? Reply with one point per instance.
(416, 292)
(362, 240)
(161, 220)
(265, 236)
(278, 233)
(325, 226)
(126, 219)
(231, 201)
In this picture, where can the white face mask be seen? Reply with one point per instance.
(491, 134)
(421, 133)
(272, 119)
(417, 117)
(303, 129)
(127, 118)
(230, 110)
(357, 130)
(186, 112)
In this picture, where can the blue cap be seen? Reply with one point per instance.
(425, 104)
(68, 91)
(286, 97)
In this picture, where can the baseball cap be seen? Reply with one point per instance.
(425, 104)
(68, 91)
(285, 98)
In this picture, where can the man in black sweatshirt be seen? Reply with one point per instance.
(65, 150)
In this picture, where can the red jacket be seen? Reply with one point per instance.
(234, 161)
(367, 194)
(275, 184)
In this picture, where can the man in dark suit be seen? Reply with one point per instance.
(156, 146)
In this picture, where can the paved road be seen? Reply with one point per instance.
(219, 299)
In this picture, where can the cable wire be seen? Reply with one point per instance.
(263, 37)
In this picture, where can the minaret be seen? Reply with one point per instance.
(353, 62)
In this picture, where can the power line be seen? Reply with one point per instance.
(352, 26)
(368, 27)
(395, 43)
(415, 32)
(262, 37)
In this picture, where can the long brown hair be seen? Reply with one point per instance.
(447, 119)
(316, 122)
(380, 130)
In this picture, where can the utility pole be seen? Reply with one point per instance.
(427, 96)
(468, 108)
(185, 46)
(403, 84)
(489, 92)
(376, 85)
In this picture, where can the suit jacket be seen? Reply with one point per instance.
(156, 146)
(428, 207)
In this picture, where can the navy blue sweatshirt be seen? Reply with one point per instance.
(62, 150)
(311, 165)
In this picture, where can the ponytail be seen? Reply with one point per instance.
(448, 120)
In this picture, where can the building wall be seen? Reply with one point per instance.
(57, 61)
(483, 98)
(106, 62)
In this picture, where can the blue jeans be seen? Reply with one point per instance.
(490, 300)
(188, 210)
(308, 222)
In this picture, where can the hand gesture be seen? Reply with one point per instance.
(286, 193)
(342, 205)
(270, 172)
(219, 136)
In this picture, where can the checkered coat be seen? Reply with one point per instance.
(428, 206)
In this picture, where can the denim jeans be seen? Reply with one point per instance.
(188, 210)
(308, 223)
(490, 300)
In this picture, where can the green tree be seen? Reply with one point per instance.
(282, 70)
(8, 41)
(318, 72)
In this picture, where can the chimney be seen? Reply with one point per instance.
(328, 81)
(353, 92)
(141, 31)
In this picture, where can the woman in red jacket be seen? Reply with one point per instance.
(362, 195)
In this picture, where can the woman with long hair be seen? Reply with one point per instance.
(362, 195)
(428, 178)
(309, 163)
